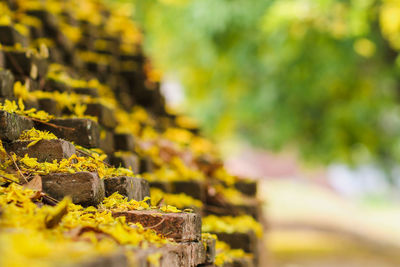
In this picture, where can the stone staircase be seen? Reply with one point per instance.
(83, 120)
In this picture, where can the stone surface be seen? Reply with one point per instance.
(246, 241)
(9, 36)
(12, 125)
(22, 63)
(2, 60)
(86, 91)
(247, 187)
(106, 142)
(113, 260)
(194, 189)
(6, 84)
(44, 150)
(104, 114)
(163, 185)
(124, 142)
(210, 251)
(146, 164)
(84, 132)
(49, 105)
(84, 188)
(181, 227)
(131, 187)
(126, 161)
(52, 85)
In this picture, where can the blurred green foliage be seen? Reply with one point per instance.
(317, 75)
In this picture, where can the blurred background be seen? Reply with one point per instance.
(303, 95)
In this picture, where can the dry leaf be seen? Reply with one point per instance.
(35, 183)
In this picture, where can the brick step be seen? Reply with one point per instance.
(188, 254)
(25, 64)
(250, 207)
(247, 187)
(124, 142)
(43, 150)
(248, 242)
(10, 36)
(106, 142)
(126, 160)
(82, 131)
(84, 188)
(6, 84)
(105, 115)
(181, 227)
(193, 188)
(131, 187)
(12, 125)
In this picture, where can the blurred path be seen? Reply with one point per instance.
(311, 225)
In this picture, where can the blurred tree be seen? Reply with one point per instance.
(317, 75)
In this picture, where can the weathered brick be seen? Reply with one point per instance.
(246, 241)
(85, 188)
(2, 60)
(9, 36)
(6, 83)
(53, 85)
(84, 132)
(247, 187)
(126, 161)
(86, 91)
(113, 260)
(104, 114)
(192, 253)
(124, 142)
(131, 187)
(163, 185)
(194, 189)
(22, 63)
(181, 227)
(106, 142)
(49, 105)
(12, 125)
(44, 150)
(209, 246)
(146, 164)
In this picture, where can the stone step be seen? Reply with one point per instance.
(239, 263)
(188, 254)
(210, 249)
(10, 36)
(84, 188)
(126, 160)
(247, 187)
(86, 91)
(50, 106)
(105, 115)
(250, 207)
(114, 260)
(195, 189)
(146, 164)
(26, 64)
(131, 187)
(12, 125)
(2, 60)
(6, 84)
(81, 131)
(248, 242)
(44, 150)
(163, 185)
(106, 142)
(53, 85)
(124, 142)
(181, 227)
